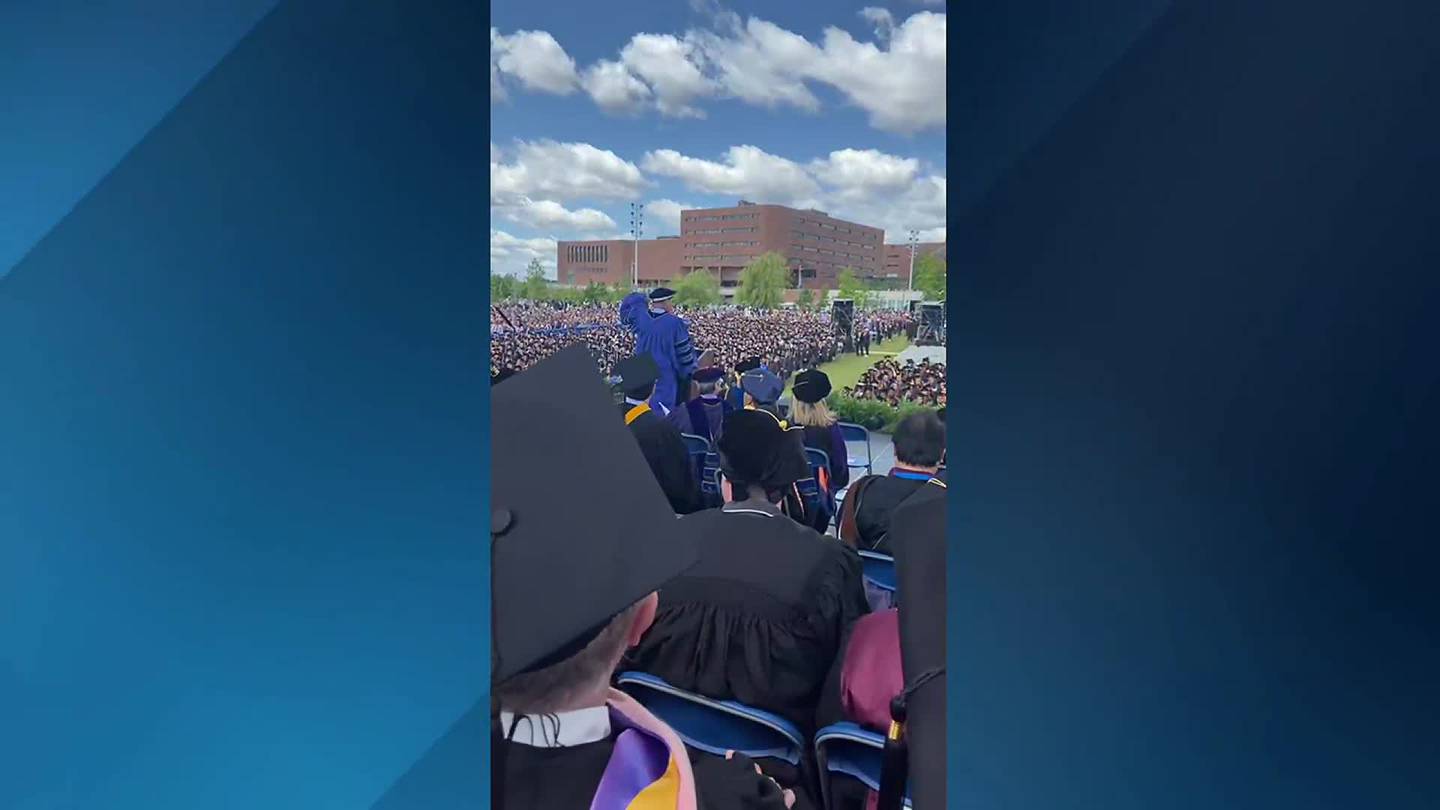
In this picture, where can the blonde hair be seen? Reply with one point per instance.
(812, 414)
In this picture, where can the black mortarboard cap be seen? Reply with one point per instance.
(637, 372)
(615, 540)
(748, 364)
(917, 537)
(662, 294)
(811, 385)
(710, 374)
(755, 449)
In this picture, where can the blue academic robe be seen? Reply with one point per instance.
(666, 338)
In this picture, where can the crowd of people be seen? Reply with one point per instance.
(785, 340)
(893, 382)
(745, 597)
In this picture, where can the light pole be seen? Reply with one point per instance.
(637, 227)
(914, 237)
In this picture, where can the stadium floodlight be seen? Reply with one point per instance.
(914, 239)
(637, 227)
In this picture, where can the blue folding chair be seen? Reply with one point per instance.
(879, 571)
(852, 432)
(715, 726)
(848, 749)
(710, 479)
(698, 447)
(816, 497)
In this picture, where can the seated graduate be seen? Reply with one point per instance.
(919, 449)
(762, 389)
(822, 428)
(572, 588)
(705, 413)
(658, 438)
(868, 674)
(736, 397)
(760, 617)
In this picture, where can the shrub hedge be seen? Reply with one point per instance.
(872, 414)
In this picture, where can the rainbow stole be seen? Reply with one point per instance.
(642, 774)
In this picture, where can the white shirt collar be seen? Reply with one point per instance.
(558, 730)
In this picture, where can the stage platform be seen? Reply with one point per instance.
(935, 354)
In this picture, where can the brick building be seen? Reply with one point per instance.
(897, 258)
(722, 241)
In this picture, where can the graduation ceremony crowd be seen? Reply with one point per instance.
(786, 341)
(750, 591)
(893, 382)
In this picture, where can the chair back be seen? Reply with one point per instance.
(715, 726)
(880, 572)
(856, 434)
(698, 447)
(848, 749)
(710, 490)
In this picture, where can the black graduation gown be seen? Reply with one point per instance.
(760, 618)
(877, 500)
(669, 460)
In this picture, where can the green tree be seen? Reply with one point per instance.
(806, 300)
(851, 287)
(763, 282)
(536, 286)
(503, 287)
(594, 293)
(698, 288)
(930, 277)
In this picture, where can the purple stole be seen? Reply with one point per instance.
(649, 768)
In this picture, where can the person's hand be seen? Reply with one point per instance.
(789, 795)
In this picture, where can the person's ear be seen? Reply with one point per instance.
(726, 489)
(644, 617)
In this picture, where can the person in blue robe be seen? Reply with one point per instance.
(703, 415)
(666, 338)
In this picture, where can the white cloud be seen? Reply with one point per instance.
(898, 79)
(902, 86)
(614, 88)
(548, 214)
(670, 67)
(563, 172)
(761, 64)
(535, 59)
(882, 20)
(667, 214)
(511, 255)
(865, 171)
(747, 171)
(861, 185)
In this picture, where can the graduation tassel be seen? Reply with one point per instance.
(895, 759)
(894, 763)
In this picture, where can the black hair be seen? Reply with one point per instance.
(920, 439)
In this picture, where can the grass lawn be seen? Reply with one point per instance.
(847, 370)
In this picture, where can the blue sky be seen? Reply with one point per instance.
(831, 104)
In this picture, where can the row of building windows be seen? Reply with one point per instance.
(719, 258)
(721, 217)
(837, 228)
(827, 252)
(588, 253)
(750, 229)
(818, 238)
(724, 244)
